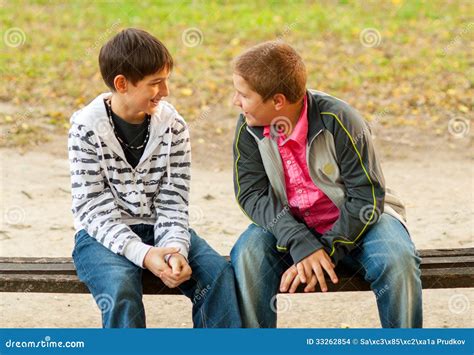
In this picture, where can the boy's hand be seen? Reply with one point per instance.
(290, 279)
(179, 272)
(155, 260)
(313, 265)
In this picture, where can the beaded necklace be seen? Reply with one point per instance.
(108, 108)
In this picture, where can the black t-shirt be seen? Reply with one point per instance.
(133, 135)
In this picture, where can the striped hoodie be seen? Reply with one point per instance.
(108, 195)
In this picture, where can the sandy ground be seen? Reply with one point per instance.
(436, 183)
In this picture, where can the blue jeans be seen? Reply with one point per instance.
(116, 283)
(386, 257)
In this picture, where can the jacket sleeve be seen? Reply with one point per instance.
(258, 201)
(172, 200)
(93, 205)
(362, 177)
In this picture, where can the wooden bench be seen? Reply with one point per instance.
(440, 268)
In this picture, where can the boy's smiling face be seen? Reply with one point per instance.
(256, 112)
(132, 101)
(145, 96)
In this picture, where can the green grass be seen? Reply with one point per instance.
(425, 48)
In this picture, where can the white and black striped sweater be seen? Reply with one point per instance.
(108, 195)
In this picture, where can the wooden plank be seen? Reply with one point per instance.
(446, 261)
(447, 268)
(35, 260)
(431, 279)
(37, 268)
(66, 266)
(454, 278)
(67, 260)
(151, 285)
(447, 252)
(42, 283)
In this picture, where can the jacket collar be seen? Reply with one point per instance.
(315, 122)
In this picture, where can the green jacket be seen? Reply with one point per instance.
(342, 163)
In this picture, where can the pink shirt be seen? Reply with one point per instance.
(307, 202)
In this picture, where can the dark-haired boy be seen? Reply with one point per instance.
(306, 173)
(130, 158)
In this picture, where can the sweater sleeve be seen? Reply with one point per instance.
(363, 179)
(172, 200)
(93, 205)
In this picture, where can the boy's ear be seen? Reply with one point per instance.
(120, 84)
(279, 101)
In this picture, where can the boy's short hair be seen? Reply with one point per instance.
(134, 54)
(271, 68)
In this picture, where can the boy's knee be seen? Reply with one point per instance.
(408, 263)
(400, 265)
(253, 246)
(122, 287)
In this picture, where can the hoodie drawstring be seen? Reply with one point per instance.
(168, 157)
